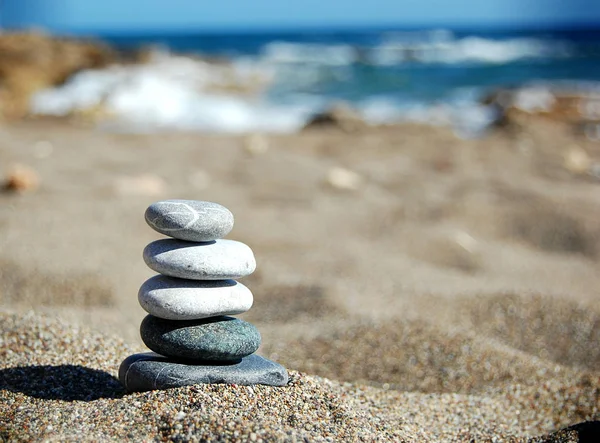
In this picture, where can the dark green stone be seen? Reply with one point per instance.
(211, 339)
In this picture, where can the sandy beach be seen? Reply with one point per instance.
(418, 287)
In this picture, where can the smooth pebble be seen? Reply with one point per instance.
(190, 220)
(217, 260)
(149, 371)
(179, 299)
(212, 339)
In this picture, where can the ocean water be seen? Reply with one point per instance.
(436, 76)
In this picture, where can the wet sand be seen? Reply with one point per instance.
(450, 295)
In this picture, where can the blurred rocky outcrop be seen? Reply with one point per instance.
(33, 61)
(575, 105)
(339, 116)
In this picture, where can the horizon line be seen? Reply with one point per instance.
(319, 28)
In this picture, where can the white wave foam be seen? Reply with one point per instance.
(469, 120)
(444, 47)
(537, 98)
(438, 46)
(172, 93)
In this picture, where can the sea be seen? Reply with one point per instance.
(435, 76)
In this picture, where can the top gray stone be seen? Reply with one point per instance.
(190, 220)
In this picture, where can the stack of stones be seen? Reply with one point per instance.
(188, 327)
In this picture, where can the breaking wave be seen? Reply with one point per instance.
(439, 46)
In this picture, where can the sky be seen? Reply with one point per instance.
(232, 15)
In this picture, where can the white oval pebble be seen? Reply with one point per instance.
(217, 260)
(190, 220)
(179, 299)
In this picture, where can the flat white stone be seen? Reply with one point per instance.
(190, 220)
(217, 260)
(179, 299)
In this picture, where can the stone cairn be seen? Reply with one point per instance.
(188, 327)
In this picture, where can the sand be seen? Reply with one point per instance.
(448, 294)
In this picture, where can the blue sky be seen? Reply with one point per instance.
(137, 15)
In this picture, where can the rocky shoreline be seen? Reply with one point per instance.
(36, 68)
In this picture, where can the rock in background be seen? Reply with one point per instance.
(33, 61)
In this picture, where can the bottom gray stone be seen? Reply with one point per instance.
(149, 371)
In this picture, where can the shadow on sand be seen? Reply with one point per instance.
(62, 382)
(585, 432)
